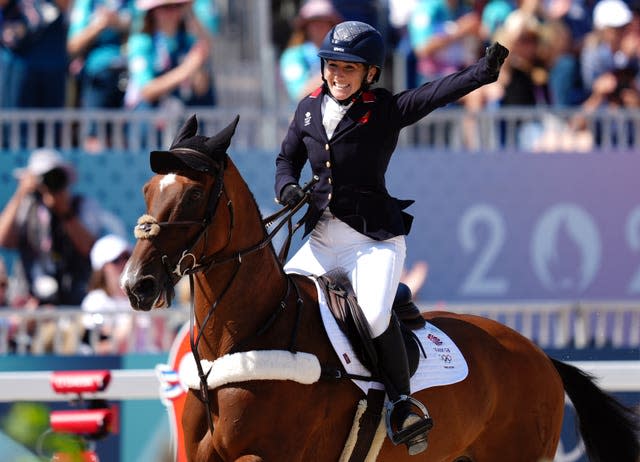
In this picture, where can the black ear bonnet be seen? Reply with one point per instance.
(189, 151)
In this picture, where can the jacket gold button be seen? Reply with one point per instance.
(326, 147)
(328, 164)
(330, 180)
(329, 196)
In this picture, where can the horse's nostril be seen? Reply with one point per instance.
(145, 287)
(143, 293)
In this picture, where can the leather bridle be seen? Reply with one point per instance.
(205, 263)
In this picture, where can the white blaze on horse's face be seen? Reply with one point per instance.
(129, 275)
(126, 276)
(167, 180)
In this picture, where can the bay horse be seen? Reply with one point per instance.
(203, 221)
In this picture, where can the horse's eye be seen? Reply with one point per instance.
(195, 195)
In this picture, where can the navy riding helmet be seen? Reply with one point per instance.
(355, 42)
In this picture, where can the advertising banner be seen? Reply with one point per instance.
(513, 225)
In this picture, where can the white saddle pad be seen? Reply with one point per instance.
(443, 365)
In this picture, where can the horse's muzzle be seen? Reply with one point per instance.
(142, 293)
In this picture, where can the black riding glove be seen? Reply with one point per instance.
(291, 195)
(495, 54)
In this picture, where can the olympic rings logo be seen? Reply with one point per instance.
(445, 358)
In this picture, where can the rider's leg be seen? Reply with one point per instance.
(375, 268)
(410, 427)
(318, 253)
(375, 277)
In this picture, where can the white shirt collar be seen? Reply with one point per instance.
(332, 114)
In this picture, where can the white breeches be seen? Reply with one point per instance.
(374, 267)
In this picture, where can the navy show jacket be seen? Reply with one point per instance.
(352, 165)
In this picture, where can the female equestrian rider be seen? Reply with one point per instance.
(348, 132)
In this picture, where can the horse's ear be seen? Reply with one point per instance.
(220, 143)
(188, 130)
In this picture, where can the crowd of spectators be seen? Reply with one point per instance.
(564, 54)
(576, 56)
(106, 54)
(135, 54)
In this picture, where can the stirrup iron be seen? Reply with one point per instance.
(405, 435)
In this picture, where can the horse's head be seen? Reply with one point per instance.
(182, 202)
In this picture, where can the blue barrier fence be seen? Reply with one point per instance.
(492, 227)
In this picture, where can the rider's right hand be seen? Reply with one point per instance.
(291, 195)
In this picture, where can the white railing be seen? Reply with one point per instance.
(134, 384)
(559, 324)
(61, 331)
(562, 324)
(528, 129)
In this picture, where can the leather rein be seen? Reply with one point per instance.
(148, 227)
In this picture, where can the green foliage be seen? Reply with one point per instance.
(28, 424)
(25, 422)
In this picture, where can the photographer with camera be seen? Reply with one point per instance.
(52, 230)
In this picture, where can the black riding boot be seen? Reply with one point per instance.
(404, 424)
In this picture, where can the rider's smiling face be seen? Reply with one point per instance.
(345, 78)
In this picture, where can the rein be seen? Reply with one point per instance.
(148, 228)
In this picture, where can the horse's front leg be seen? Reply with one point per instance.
(239, 423)
(198, 441)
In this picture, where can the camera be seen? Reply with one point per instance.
(55, 180)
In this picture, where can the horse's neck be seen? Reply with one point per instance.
(243, 298)
(248, 228)
(245, 291)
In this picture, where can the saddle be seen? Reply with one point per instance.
(344, 306)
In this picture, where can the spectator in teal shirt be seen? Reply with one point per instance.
(206, 11)
(98, 32)
(169, 59)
